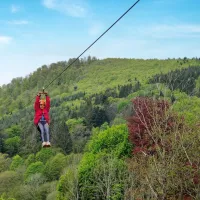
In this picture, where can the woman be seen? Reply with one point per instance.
(41, 118)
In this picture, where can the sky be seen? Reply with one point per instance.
(38, 32)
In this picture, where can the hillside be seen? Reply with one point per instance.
(91, 105)
(88, 75)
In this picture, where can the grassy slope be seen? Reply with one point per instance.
(110, 72)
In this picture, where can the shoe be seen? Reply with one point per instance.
(43, 144)
(48, 144)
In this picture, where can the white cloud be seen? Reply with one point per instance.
(137, 47)
(18, 22)
(5, 40)
(170, 31)
(74, 8)
(15, 8)
(95, 29)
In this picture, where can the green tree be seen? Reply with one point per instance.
(8, 180)
(12, 145)
(33, 168)
(16, 162)
(30, 159)
(68, 185)
(114, 139)
(4, 162)
(44, 154)
(61, 138)
(54, 167)
(14, 130)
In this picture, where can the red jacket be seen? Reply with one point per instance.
(39, 111)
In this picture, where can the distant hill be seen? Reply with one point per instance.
(89, 75)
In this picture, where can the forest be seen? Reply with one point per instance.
(119, 128)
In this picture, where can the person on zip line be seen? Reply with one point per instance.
(41, 118)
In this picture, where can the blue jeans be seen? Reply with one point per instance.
(44, 128)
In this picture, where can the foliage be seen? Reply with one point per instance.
(80, 137)
(67, 187)
(183, 79)
(71, 123)
(74, 97)
(60, 136)
(16, 162)
(189, 107)
(118, 120)
(125, 90)
(96, 93)
(35, 190)
(27, 192)
(54, 167)
(160, 135)
(33, 168)
(8, 180)
(114, 139)
(12, 145)
(97, 117)
(5, 162)
(13, 131)
(101, 176)
(172, 174)
(122, 105)
(52, 196)
(101, 171)
(44, 154)
(149, 113)
(30, 159)
(3, 197)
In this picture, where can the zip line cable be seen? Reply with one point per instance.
(92, 44)
(88, 48)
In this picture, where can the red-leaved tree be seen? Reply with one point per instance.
(148, 115)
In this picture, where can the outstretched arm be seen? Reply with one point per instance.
(37, 102)
(47, 102)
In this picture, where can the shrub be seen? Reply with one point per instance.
(150, 114)
(54, 167)
(13, 131)
(27, 192)
(16, 162)
(46, 189)
(30, 159)
(8, 180)
(3, 197)
(33, 168)
(101, 176)
(52, 196)
(122, 105)
(4, 162)
(12, 145)
(102, 171)
(71, 123)
(44, 154)
(114, 139)
(67, 187)
(170, 163)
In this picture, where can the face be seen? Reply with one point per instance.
(42, 105)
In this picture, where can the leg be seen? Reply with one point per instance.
(46, 127)
(41, 130)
